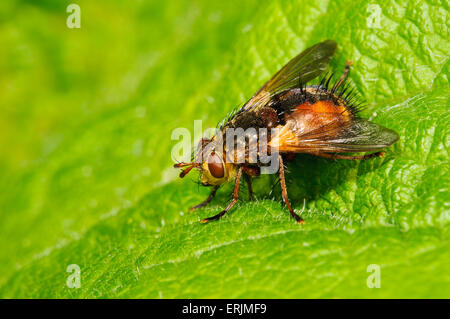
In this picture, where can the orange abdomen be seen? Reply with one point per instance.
(310, 119)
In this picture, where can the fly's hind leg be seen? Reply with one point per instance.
(351, 157)
(206, 201)
(284, 193)
(233, 201)
(343, 76)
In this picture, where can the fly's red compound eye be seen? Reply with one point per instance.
(215, 166)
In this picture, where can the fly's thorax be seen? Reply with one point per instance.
(249, 146)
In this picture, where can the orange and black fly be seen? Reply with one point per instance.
(321, 120)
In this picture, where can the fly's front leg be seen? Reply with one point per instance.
(284, 193)
(206, 202)
(233, 201)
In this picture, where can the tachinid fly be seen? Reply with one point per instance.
(321, 120)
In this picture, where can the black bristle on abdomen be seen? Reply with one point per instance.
(283, 103)
(286, 102)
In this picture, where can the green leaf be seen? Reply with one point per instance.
(87, 177)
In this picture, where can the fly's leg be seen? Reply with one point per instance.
(248, 179)
(206, 202)
(233, 201)
(343, 76)
(284, 193)
(351, 157)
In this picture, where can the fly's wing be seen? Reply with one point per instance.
(303, 68)
(356, 135)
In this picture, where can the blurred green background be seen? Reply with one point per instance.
(86, 173)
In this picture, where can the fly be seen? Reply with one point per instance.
(321, 120)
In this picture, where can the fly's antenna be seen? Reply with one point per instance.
(189, 166)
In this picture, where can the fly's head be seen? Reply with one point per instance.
(209, 160)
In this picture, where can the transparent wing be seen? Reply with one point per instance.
(358, 135)
(303, 68)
